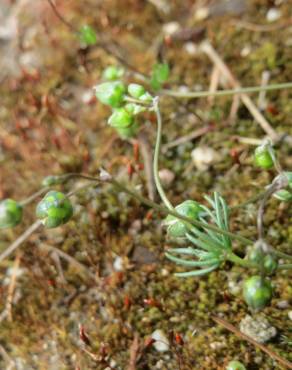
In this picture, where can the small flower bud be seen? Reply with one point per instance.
(136, 91)
(175, 226)
(270, 264)
(121, 118)
(10, 213)
(111, 93)
(112, 73)
(263, 157)
(54, 209)
(235, 365)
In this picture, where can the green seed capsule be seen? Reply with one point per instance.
(112, 73)
(128, 132)
(111, 93)
(256, 254)
(136, 91)
(10, 213)
(54, 209)
(177, 228)
(263, 158)
(257, 292)
(270, 264)
(285, 195)
(121, 118)
(235, 365)
(87, 35)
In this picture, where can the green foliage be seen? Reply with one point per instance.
(257, 292)
(210, 247)
(54, 209)
(10, 213)
(263, 157)
(111, 93)
(112, 73)
(87, 35)
(235, 365)
(159, 75)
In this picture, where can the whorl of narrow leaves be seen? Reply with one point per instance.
(10, 213)
(54, 209)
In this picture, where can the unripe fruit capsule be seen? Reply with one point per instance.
(176, 227)
(263, 158)
(111, 93)
(54, 209)
(235, 365)
(257, 292)
(10, 213)
(136, 90)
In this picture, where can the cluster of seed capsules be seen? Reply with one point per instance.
(126, 101)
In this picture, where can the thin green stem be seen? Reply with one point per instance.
(137, 101)
(281, 254)
(241, 90)
(156, 155)
(239, 261)
(35, 195)
(253, 199)
(287, 266)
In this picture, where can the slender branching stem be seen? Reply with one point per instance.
(156, 155)
(34, 196)
(241, 90)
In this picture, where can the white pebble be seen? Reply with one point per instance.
(203, 157)
(191, 48)
(273, 15)
(161, 343)
(171, 28)
(166, 176)
(290, 315)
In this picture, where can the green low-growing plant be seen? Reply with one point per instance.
(203, 228)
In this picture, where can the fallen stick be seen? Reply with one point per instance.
(243, 336)
(208, 49)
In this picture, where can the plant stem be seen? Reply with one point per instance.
(35, 195)
(249, 201)
(239, 261)
(156, 155)
(20, 240)
(172, 212)
(287, 266)
(241, 90)
(137, 101)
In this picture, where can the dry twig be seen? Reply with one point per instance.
(243, 336)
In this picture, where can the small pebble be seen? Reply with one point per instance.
(273, 14)
(203, 157)
(290, 315)
(171, 28)
(258, 328)
(166, 176)
(161, 343)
